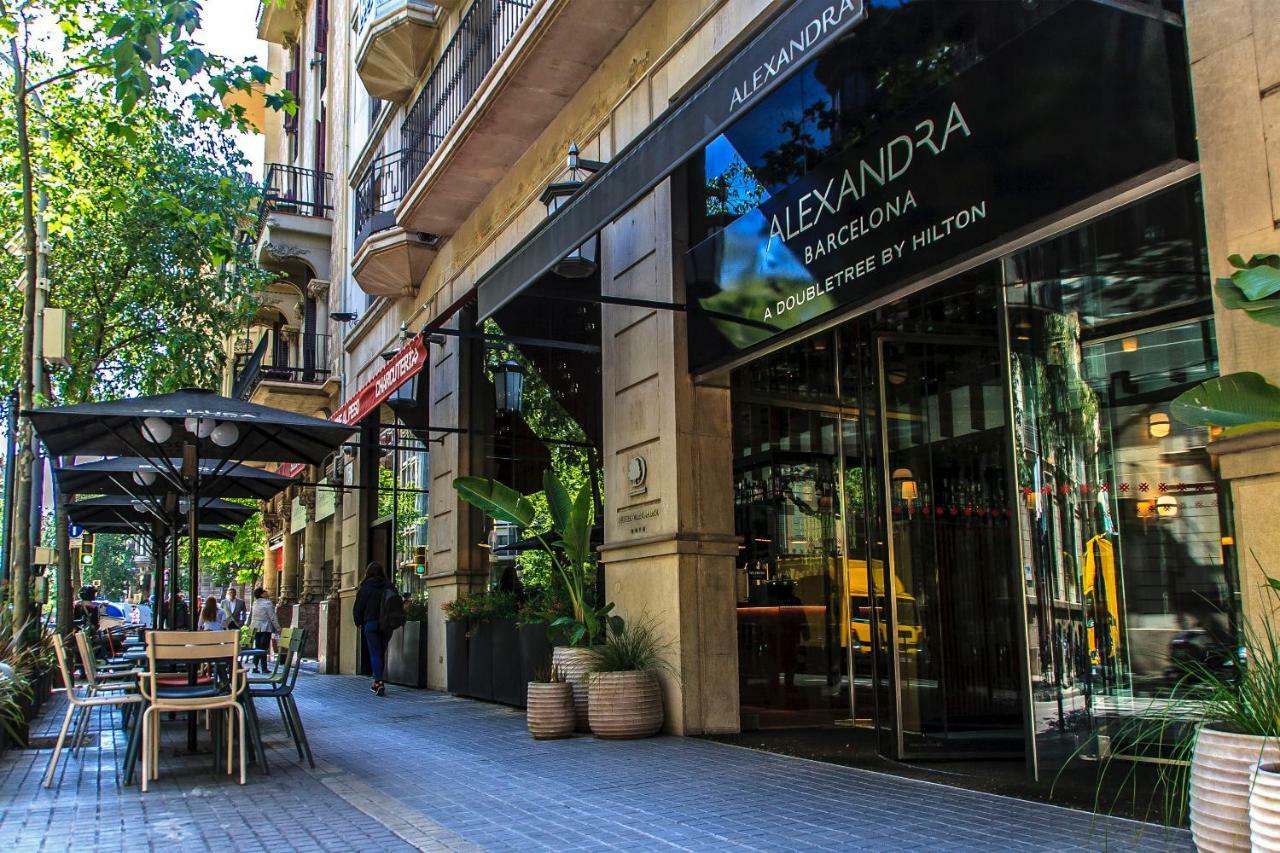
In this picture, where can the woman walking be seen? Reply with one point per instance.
(211, 616)
(263, 623)
(367, 610)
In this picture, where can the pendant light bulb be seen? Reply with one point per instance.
(225, 434)
(156, 430)
(144, 478)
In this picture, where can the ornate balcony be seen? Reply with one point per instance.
(294, 220)
(285, 371)
(395, 40)
(507, 72)
(278, 21)
(389, 261)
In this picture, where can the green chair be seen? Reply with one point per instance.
(281, 664)
(282, 691)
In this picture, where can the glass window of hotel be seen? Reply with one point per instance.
(1121, 513)
(904, 50)
(401, 525)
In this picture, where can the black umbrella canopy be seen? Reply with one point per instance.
(111, 508)
(129, 475)
(158, 428)
(207, 531)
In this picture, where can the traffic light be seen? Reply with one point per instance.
(420, 559)
(86, 550)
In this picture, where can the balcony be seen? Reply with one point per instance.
(285, 371)
(278, 21)
(389, 261)
(504, 76)
(395, 40)
(294, 221)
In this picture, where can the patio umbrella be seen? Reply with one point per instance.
(131, 511)
(194, 426)
(129, 475)
(160, 428)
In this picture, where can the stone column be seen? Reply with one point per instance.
(312, 551)
(270, 574)
(456, 564)
(670, 546)
(289, 569)
(1235, 77)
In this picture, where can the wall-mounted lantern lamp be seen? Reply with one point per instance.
(583, 261)
(508, 386)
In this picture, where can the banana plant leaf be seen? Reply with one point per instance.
(1238, 401)
(577, 532)
(500, 502)
(558, 501)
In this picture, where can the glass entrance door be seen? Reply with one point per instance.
(954, 650)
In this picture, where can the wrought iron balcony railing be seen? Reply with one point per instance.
(293, 189)
(376, 196)
(271, 361)
(482, 34)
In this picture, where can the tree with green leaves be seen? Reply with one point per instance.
(134, 68)
(228, 562)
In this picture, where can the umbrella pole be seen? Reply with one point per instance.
(157, 582)
(174, 526)
(191, 462)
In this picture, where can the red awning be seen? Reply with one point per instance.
(406, 364)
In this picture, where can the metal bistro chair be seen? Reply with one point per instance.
(219, 694)
(282, 690)
(112, 681)
(84, 704)
(279, 665)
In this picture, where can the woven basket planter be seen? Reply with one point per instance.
(571, 662)
(625, 705)
(550, 711)
(1221, 778)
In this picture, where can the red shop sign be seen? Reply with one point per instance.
(406, 364)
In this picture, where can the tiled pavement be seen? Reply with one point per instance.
(424, 770)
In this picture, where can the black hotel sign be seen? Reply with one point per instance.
(1083, 102)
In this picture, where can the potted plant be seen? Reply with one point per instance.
(1264, 809)
(457, 614)
(550, 711)
(625, 695)
(407, 649)
(568, 546)
(1238, 709)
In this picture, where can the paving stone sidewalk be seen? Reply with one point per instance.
(427, 771)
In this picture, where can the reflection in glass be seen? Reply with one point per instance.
(1119, 516)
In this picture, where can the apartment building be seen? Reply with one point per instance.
(865, 317)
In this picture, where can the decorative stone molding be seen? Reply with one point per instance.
(284, 251)
(272, 522)
(318, 289)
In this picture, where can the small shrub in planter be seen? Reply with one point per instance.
(625, 697)
(550, 711)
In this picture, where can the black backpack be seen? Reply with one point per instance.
(391, 616)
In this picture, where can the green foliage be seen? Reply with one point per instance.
(415, 608)
(1237, 401)
(630, 648)
(569, 554)
(112, 565)
(484, 606)
(18, 666)
(235, 561)
(1245, 401)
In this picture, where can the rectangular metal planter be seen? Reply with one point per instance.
(456, 648)
(407, 655)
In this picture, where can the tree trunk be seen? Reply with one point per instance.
(20, 565)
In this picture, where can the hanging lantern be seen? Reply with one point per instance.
(508, 386)
(583, 261)
(904, 484)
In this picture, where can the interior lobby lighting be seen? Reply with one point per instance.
(1167, 506)
(1129, 344)
(1158, 425)
(905, 484)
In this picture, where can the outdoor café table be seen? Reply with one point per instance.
(258, 753)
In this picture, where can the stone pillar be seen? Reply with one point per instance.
(289, 569)
(270, 573)
(669, 547)
(1235, 76)
(312, 551)
(456, 564)
(269, 579)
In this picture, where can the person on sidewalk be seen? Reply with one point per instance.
(210, 616)
(232, 609)
(366, 612)
(263, 622)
